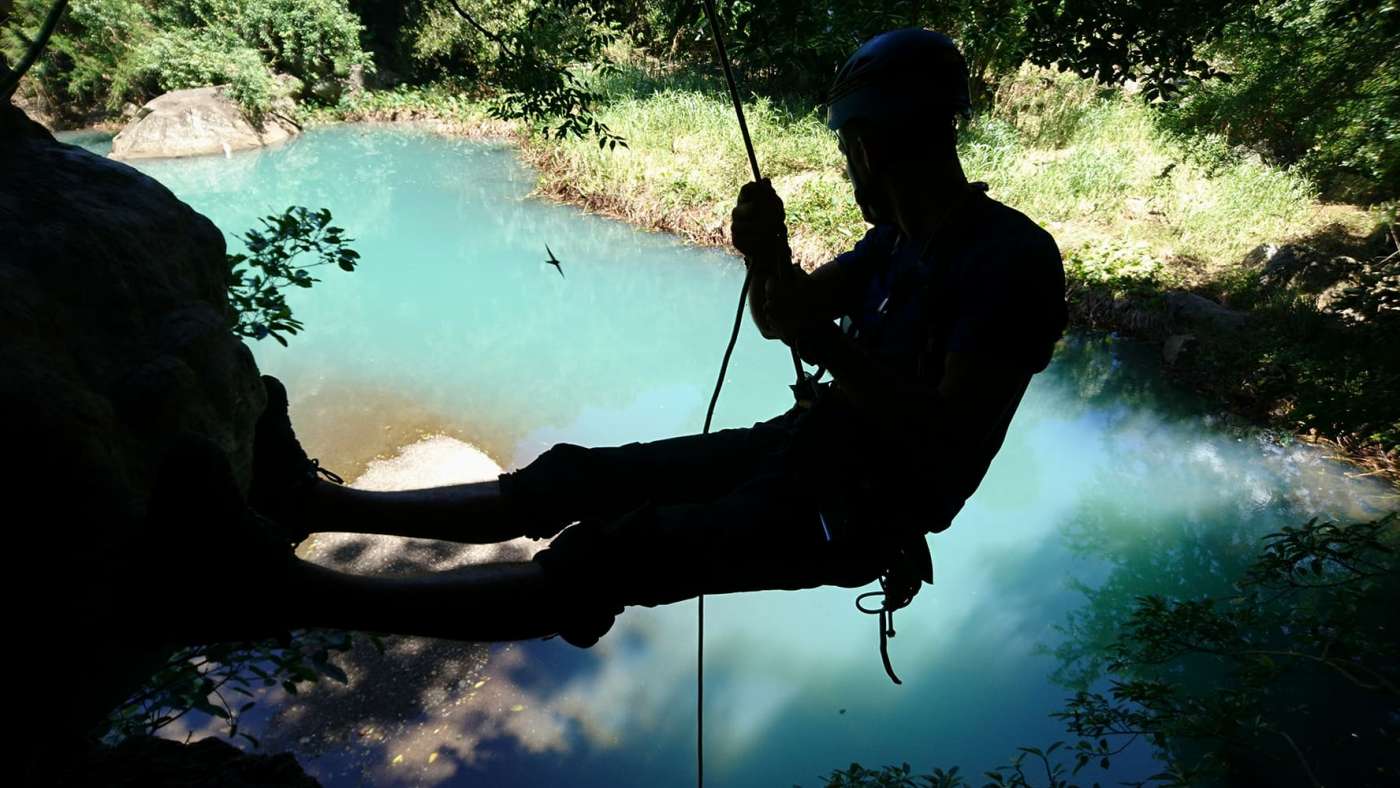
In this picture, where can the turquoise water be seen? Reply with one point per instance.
(1110, 484)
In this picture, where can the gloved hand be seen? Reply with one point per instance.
(758, 227)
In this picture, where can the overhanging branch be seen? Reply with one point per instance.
(482, 30)
(9, 81)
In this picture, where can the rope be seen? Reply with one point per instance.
(723, 57)
(700, 600)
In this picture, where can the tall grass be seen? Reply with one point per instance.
(1090, 165)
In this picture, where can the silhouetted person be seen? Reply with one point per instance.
(948, 305)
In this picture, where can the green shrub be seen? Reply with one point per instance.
(172, 61)
(108, 52)
(1124, 267)
(88, 52)
(1313, 83)
(1045, 106)
(309, 39)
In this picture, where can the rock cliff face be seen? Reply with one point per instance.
(195, 122)
(114, 341)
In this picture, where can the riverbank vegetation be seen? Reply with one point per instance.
(1267, 663)
(108, 56)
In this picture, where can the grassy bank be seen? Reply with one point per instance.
(1092, 166)
(1138, 213)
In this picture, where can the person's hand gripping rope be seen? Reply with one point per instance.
(758, 230)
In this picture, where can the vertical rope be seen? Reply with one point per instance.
(700, 599)
(719, 383)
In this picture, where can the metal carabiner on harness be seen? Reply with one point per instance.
(898, 586)
(888, 604)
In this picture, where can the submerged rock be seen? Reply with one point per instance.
(1188, 311)
(196, 122)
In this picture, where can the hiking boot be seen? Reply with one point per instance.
(535, 495)
(283, 475)
(199, 528)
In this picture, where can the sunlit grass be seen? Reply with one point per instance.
(1087, 164)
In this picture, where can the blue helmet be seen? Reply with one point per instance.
(903, 74)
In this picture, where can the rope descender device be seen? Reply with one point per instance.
(888, 604)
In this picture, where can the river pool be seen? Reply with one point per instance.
(1110, 484)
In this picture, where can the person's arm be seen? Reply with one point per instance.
(1009, 312)
(821, 293)
(758, 230)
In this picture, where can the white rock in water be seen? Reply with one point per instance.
(435, 461)
(195, 122)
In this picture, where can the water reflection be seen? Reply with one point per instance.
(1111, 484)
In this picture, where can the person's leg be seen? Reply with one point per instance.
(571, 483)
(765, 535)
(565, 484)
(471, 513)
(484, 602)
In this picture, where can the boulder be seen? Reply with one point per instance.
(1176, 345)
(197, 122)
(1300, 268)
(115, 343)
(1190, 312)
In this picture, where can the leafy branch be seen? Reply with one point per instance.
(206, 678)
(536, 69)
(1290, 680)
(257, 279)
(9, 78)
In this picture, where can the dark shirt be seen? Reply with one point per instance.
(990, 284)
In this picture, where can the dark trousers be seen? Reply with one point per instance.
(666, 520)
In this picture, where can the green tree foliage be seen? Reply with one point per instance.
(221, 680)
(107, 52)
(1311, 82)
(533, 61)
(86, 53)
(1114, 41)
(1288, 675)
(1292, 679)
(172, 60)
(309, 39)
(257, 279)
(790, 46)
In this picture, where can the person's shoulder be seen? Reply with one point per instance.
(1010, 234)
(881, 236)
(877, 243)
